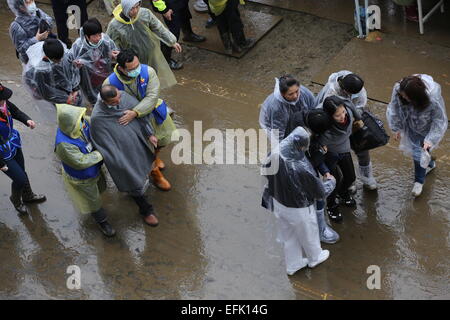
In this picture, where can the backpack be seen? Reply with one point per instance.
(371, 136)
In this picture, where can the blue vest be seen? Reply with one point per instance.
(160, 112)
(9, 138)
(83, 174)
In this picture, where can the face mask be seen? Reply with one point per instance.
(354, 96)
(96, 45)
(32, 8)
(135, 72)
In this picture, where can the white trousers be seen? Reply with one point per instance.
(299, 233)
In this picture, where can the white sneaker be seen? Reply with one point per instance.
(417, 189)
(304, 263)
(200, 6)
(322, 257)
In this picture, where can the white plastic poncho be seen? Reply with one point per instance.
(96, 63)
(418, 126)
(332, 88)
(294, 190)
(143, 35)
(276, 111)
(24, 28)
(295, 184)
(50, 81)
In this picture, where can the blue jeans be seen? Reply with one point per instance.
(419, 172)
(16, 171)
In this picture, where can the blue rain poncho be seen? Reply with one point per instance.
(332, 88)
(97, 63)
(49, 81)
(276, 112)
(24, 28)
(418, 126)
(295, 184)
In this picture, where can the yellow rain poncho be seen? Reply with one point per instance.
(143, 35)
(84, 193)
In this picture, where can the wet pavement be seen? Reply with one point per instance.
(214, 240)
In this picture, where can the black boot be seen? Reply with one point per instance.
(175, 65)
(16, 199)
(226, 40)
(28, 196)
(246, 44)
(100, 217)
(190, 36)
(334, 213)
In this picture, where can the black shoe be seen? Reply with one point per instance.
(347, 200)
(175, 65)
(247, 44)
(192, 37)
(210, 23)
(226, 40)
(107, 229)
(335, 214)
(28, 196)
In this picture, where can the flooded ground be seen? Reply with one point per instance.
(214, 240)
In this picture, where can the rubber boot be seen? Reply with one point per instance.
(159, 180)
(28, 196)
(158, 162)
(327, 235)
(16, 199)
(366, 176)
(226, 40)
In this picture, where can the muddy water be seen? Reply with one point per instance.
(214, 240)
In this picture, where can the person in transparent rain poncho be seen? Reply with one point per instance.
(280, 107)
(417, 116)
(139, 29)
(30, 26)
(291, 191)
(94, 54)
(350, 86)
(50, 74)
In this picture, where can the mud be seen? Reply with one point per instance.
(214, 240)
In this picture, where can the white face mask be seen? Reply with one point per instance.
(96, 45)
(31, 8)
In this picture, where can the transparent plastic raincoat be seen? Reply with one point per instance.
(418, 126)
(24, 28)
(96, 63)
(332, 88)
(84, 193)
(292, 192)
(143, 35)
(295, 184)
(276, 111)
(54, 82)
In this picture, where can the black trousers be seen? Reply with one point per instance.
(230, 22)
(145, 207)
(341, 167)
(181, 20)
(60, 12)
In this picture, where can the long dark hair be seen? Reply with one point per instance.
(416, 90)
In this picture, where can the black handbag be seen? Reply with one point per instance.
(371, 136)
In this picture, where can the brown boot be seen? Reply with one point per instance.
(158, 162)
(151, 220)
(159, 180)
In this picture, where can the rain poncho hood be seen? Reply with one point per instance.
(24, 28)
(143, 34)
(127, 5)
(295, 184)
(69, 119)
(126, 149)
(417, 126)
(50, 81)
(276, 112)
(332, 88)
(97, 61)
